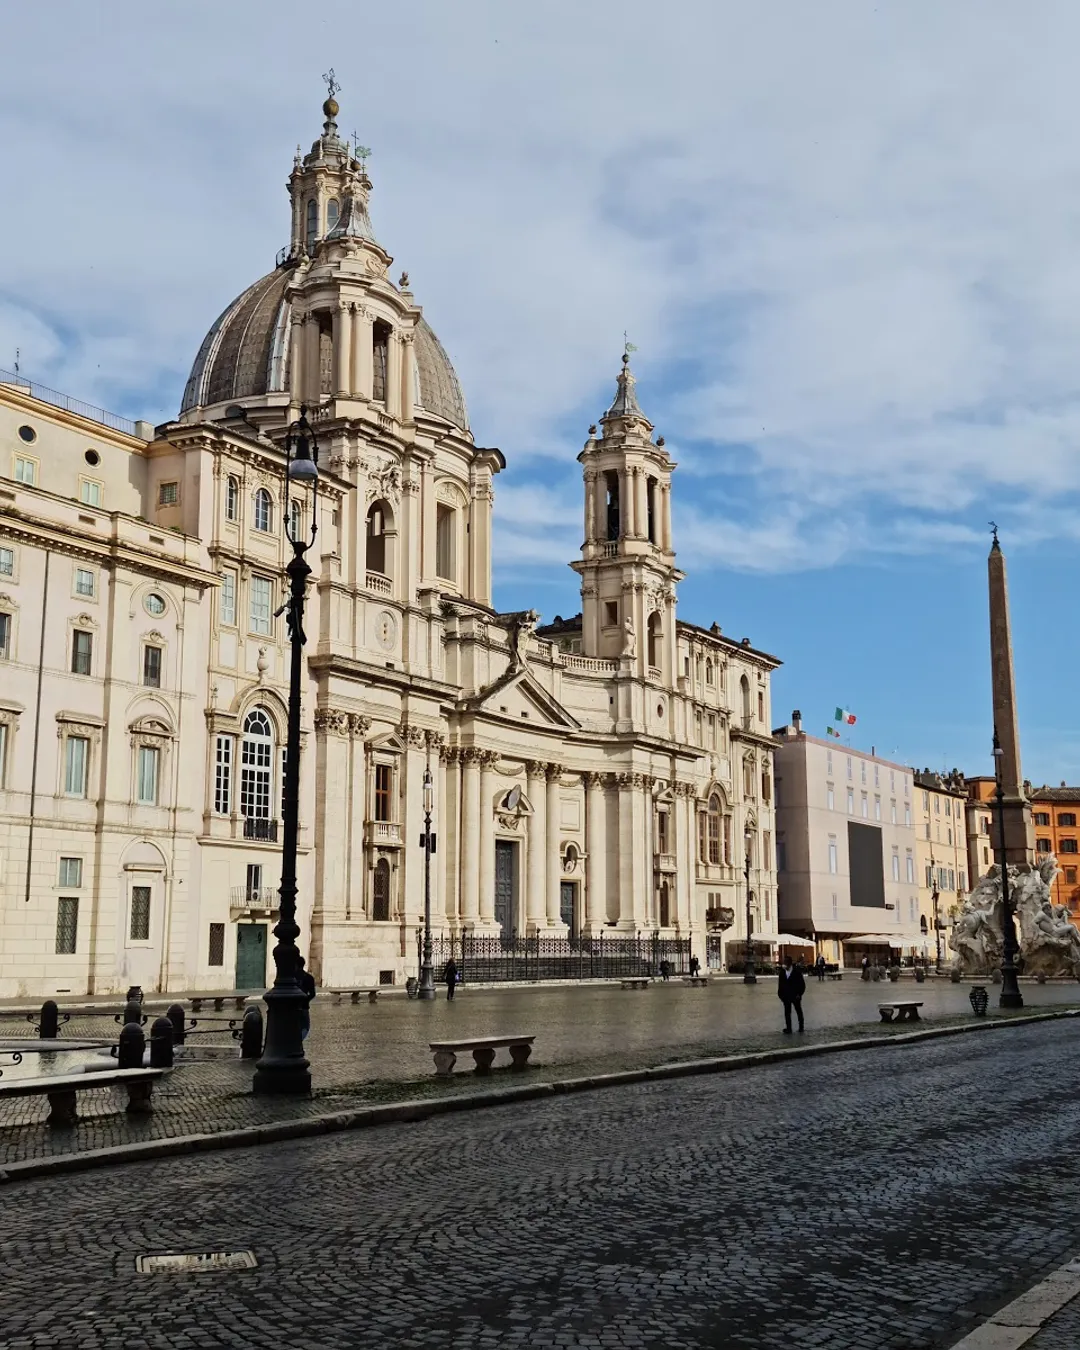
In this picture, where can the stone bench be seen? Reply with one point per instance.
(354, 995)
(903, 1012)
(641, 982)
(61, 1089)
(219, 1001)
(483, 1052)
(695, 979)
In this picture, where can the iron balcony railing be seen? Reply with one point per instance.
(256, 827)
(72, 405)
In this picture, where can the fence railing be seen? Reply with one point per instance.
(73, 405)
(519, 956)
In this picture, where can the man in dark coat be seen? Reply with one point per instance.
(306, 981)
(450, 976)
(791, 986)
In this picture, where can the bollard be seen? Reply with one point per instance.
(133, 1012)
(134, 994)
(161, 1044)
(175, 1014)
(132, 1047)
(49, 1026)
(251, 1033)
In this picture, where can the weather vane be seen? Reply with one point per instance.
(993, 529)
(360, 152)
(332, 86)
(628, 346)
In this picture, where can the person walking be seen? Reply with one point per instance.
(695, 967)
(821, 968)
(450, 976)
(306, 981)
(790, 987)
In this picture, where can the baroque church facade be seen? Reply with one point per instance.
(607, 774)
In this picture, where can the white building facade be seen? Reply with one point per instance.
(846, 850)
(599, 776)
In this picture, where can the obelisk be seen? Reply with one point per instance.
(1019, 834)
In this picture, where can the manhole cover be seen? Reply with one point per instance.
(186, 1263)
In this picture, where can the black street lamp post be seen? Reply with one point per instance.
(935, 897)
(427, 975)
(749, 974)
(284, 1067)
(1011, 996)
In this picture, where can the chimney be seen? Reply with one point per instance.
(796, 722)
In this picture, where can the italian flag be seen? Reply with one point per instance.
(833, 732)
(845, 717)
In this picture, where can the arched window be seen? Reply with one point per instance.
(232, 498)
(744, 687)
(611, 484)
(380, 892)
(296, 518)
(708, 672)
(264, 511)
(380, 529)
(380, 342)
(256, 768)
(748, 779)
(714, 828)
(333, 210)
(656, 633)
(446, 542)
(650, 509)
(312, 224)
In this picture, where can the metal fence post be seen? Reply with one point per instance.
(49, 1026)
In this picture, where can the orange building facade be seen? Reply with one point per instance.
(1055, 812)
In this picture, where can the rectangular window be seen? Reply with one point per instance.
(254, 883)
(90, 492)
(25, 470)
(877, 808)
(261, 605)
(712, 731)
(929, 877)
(384, 775)
(877, 782)
(7, 562)
(151, 667)
(1042, 845)
(911, 909)
(661, 831)
(910, 870)
(1070, 876)
(986, 824)
(223, 775)
(896, 867)
(140, 914)
(1067, 846)
(147, 787)
(907, 814)
(830, 797)
(168, 494)
(862, 770)
(892, 812)
(849, 771)
(1040, 818)
(943, 879)
(76, 762)
(928, 829)
(3, 753)
(833, 861)
(228, 599)
(71, 873)
(67, 925)
(926, 801)
(865, 807)
(217, 945)
(5, 637)
(962, 881)
(1067, 818)
(828, 762)
(85, 582)
(851, 801)
(82, 651)
(781, 856)
(611, 613)
(937, 806)
(835, 907)
(952, 880)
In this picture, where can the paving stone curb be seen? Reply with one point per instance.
(392, 1112)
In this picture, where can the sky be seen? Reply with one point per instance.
(843, 238)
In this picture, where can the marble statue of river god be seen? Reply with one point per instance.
(1049, 941)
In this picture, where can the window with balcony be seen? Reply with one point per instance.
(662, 832)
(384, 783)
(256, 768)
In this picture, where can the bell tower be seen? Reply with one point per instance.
(627, 565)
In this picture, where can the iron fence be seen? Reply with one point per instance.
(518, 956)
(74, 405)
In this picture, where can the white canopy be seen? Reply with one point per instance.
(789, 940)
(879, 940)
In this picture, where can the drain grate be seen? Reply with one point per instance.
(188, 1263)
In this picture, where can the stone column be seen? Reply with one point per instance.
(596, 859)
(312, 362)
(408, 377)
(626, 503)
(536, 885)
(629, 865)
(363, 372)
(296, 360)
(590, 506)
(342, 351)
(666, 536)
(393, 375)
(642, 512)
(470, 828)
(448, 784)
(487, 837)
(646, 850)
(554, 862)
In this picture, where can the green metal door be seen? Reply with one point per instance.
(250, 955)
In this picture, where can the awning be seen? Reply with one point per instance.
(790, 940)
(877, 940)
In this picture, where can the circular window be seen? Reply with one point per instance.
(659, 710)
(155, 604)
(92, 457)
(28, 434)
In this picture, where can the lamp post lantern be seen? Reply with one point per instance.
(284, 1067)
(427, 975)
(935, 897)
(1011, 996)
(749, 974)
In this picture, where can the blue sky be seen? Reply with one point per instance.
(843, 237)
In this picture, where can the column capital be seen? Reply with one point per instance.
(554, 772)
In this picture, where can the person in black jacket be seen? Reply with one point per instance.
(791, 986)
(306, 981)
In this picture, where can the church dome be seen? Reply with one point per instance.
(245, 355)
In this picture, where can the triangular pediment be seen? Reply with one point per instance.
(518, 697)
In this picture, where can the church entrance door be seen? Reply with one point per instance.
(505, 885)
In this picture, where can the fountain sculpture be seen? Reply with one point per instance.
(1049, 941)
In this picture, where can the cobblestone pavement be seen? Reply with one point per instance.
(376, 1053)
(880, 1201)
(1062, 1332)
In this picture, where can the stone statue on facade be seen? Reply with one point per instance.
(1049, 941)
(629, 642)
(522, 627)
